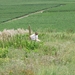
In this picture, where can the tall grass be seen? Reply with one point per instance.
(54, 55)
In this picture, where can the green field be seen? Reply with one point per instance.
(57, 15)
(54, 20)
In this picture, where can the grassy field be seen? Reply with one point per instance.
(52, 56)
(10, 12)
(55, 54)
(57, 16)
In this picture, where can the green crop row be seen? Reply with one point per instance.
(58, 21)
(59, 17)
(9, 12)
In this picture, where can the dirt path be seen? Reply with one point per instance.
(41, 11)
(27, 15)
(23, 16)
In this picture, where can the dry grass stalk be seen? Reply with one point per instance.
(11, 32)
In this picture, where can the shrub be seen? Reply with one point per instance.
(3, 52)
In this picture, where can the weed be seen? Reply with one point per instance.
(3, 52)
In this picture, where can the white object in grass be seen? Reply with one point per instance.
(34, 37)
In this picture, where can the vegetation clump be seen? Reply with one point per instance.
(20, 55)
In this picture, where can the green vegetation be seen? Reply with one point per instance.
(55, 54)
(18, 41)
(51, 56)
(10, 12)
(58, 16)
